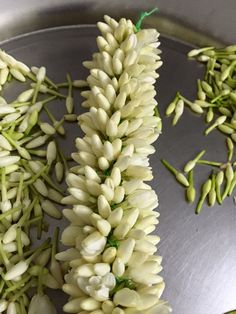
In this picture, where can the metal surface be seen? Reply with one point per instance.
(199, 252)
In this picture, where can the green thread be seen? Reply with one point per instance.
(142, 17)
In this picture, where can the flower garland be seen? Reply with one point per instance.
(111, 263)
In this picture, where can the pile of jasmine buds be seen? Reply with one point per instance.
(29, 156)
(216, 99)
(112, 266)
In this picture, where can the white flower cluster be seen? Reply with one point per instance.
(112, 264)
(9, 65)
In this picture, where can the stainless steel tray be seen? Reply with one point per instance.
(199, 251)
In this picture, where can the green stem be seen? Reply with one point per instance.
(38, 250)
(3, 255)
(47, 100)
(5, 222)
(17, 285)
(55, 243)
(190, 178)
(27, 212)
(19, 242)
(200, 203)
(63, 85)
(56, 94)
(227, 189)
(185, 100)
(50, 115)
(17, 104)
(62, 158)
(2, 283)
(3, 187)
(209, 163)
(36, 91)
(142, 17)
(50, 82)
(218, 194)
(233, 184)
(68, 77)
(22, 306)
(45, 245)
(199, 156)
(37, 175)
(169, 167)
(33, 220)
(29, 138)
(22, 291)
(20, 188)
(9, 212)
(40, 282)
(10, 140)
(31, 76)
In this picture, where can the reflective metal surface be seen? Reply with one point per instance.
(199, 252)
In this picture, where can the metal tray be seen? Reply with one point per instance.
(199, 252)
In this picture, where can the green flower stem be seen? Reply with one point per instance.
(70, 84)
(34, 220)
(233, 184)
(54, 93)
(5, 222)
(36, 91)
(2, 283)
(22, 306)
(142, 17)
(20, 188)
(28, 286)
(206, 187)
(231, 125)
(37, 175)
(185, 100)
(212, 193)
(169, 167)
(31, 76)
(9, 212)
(63, 159)
(11, 141)
(230, 147)
(52, 184)
(199, 156)
(57, 124)
(218, 97)
(45, 245)
(44, 176)
(27, 212)
(55, 243)
(27, 139)
(178, 175)
(190, 191)
(229, 174)
(38, 250)
(50, 82)
(47, 100)
(63, 85)
(3, 185)
(4, 256)
(19, 242)
(17, 104)
(39, 152)
(219, 181)
(40, 282)
(209, 163)
(17, 285)
(50, 115)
